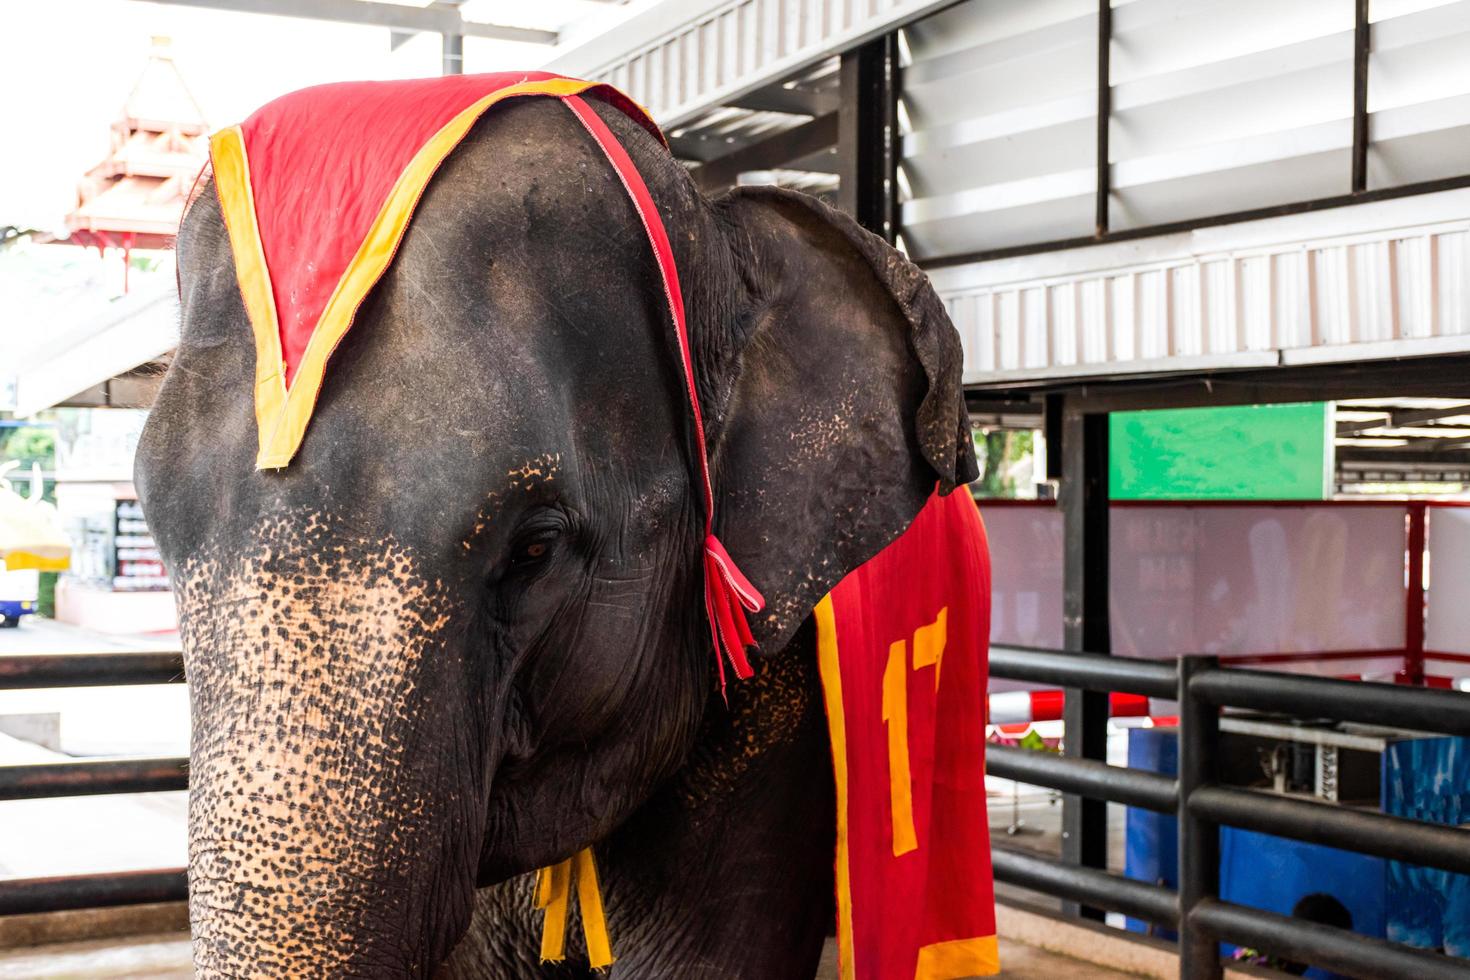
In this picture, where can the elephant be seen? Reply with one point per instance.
(461, 637)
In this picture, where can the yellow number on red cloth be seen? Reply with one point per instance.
(928, 652)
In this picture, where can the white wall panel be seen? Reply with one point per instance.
(1447, 619)
(1234, 580)
(1026, 580)
(1244, 580)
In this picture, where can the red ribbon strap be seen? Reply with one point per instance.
(728, 595)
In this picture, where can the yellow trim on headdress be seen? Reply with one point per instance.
(553, 894)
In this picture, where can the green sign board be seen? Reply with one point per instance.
(1248, 452)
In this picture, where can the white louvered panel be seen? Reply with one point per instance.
(1249, 295)
(1217, 306)
(1001, 102)
(986, 349)
(1418, 91)
(1228, 105)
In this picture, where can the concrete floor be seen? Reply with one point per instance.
(166, 957)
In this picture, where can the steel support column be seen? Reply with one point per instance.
(1084, 502)
(1104, 115)
(1362, 48)
(453, 56)
(868, 136)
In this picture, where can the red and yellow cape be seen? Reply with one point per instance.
(902, 643)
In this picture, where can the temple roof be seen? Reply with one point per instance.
(135, 196)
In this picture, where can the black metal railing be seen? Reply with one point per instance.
(1202, 688)
(91, 778)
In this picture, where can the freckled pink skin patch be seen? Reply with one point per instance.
(310, 826)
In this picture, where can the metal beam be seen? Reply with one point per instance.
(1446, 376)
(1403, 456)
(769, 153)
(1398, 419)
(394, 16)
(699, 148)
(792, 101)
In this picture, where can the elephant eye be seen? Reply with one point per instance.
(534, 548)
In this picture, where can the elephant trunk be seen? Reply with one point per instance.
(332, 831)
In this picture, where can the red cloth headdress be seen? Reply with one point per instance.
(354, 158)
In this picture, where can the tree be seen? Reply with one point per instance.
(28, 445)
(999, 450)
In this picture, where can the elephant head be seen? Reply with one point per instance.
(461, 636)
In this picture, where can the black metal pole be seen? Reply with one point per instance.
(29, 895)
(93, 777)
(1338, 950)
(1139, 899)
(1104, 112)
(1362, 47)
(1150, 678)
(1423, 708)
(1131, 787)
(1363, 831)
(21, 673)
(1084, 502)
(868, 137)
(1199, 838)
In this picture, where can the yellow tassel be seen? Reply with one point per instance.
(553, 893)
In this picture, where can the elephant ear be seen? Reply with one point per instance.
(845, 407)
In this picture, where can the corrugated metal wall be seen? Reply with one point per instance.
(1256, 294)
